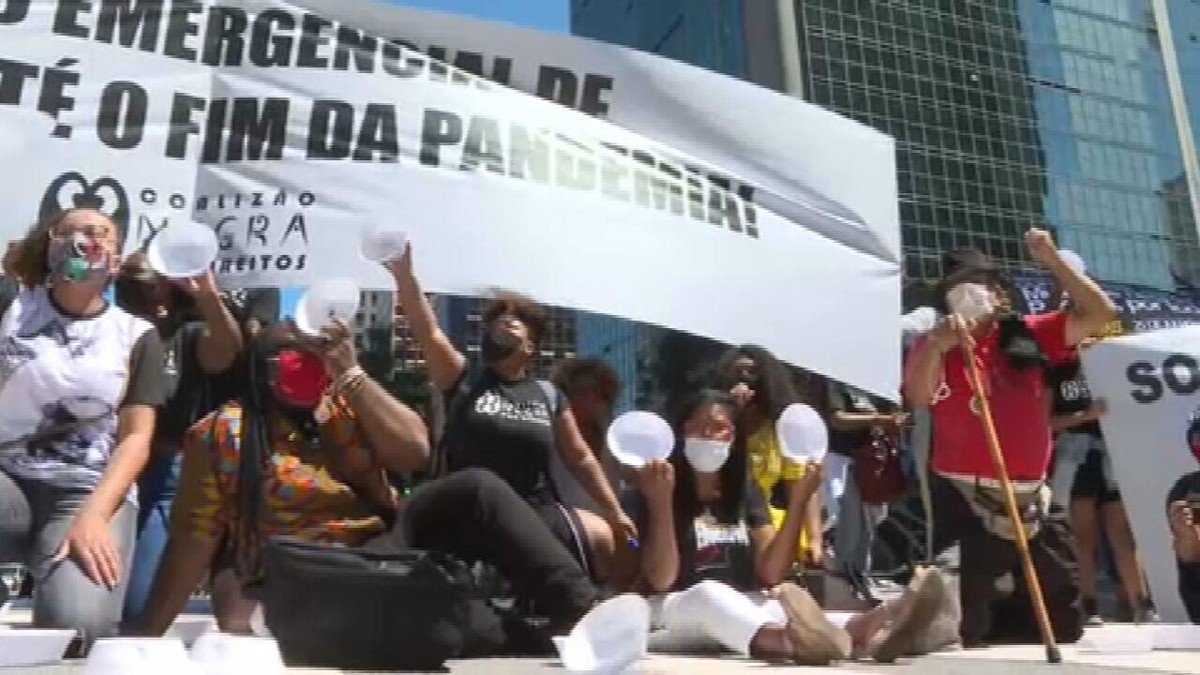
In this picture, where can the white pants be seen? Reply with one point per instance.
(711, 615)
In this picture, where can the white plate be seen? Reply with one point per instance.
(638, 437)
(183, 250)
(380, 245)
(28, 647)
(326, 300)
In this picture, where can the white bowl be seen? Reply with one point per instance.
(381, 245)
(28, 647)
(190, 628)
(638, 438)
(183, 250)
(139, 656)
(221, 654)
(326, 300)
(1176, 636)
(1118, 639)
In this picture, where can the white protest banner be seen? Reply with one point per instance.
(1151, 384)
(809, 164)
(290, 131)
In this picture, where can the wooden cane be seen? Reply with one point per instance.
(1053, 655)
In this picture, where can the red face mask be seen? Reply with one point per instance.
(301, 379)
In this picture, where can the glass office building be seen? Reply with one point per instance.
(1006, 113)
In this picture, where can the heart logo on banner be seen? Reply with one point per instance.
(72, 191)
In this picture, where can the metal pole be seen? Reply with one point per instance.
(1187, 142)
(789, 48)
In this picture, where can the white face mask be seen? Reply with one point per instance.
(970, 301)
(706, 456)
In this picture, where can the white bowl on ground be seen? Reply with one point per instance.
(221, 654)
(190, 628)
(139, 656)
(29, 647)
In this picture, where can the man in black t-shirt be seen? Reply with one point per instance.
(1183, 517)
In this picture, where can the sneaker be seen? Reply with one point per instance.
(1091, 614)
(1146, 613)
(817, 640)
(912, 613)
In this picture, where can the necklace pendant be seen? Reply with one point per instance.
(976, 407)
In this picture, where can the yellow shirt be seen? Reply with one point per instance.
(769, 468)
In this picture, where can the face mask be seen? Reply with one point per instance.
(301, 379)
(78, 259)
(970, 301)
(706, 456)
(494, 348)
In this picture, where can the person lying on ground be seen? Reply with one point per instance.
(79, 388)
(315, 437)
(505, 420)
(709, 542)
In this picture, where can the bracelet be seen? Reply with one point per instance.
(353, 377)
(355, 384)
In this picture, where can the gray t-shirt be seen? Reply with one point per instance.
(63, 381)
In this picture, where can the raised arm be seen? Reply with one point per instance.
(1091, 308)
(776, 550)
(395, 432)
(925, 369)
(221, 341)
(446, 364)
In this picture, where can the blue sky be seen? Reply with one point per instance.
(541, 14)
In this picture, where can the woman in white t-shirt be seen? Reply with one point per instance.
(79, 383)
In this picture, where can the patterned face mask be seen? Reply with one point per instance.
(78, 259)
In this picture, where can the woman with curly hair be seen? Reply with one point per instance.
(504, 420)
(762, 387)
(80, 382)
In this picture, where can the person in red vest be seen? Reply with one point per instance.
(1012, 353)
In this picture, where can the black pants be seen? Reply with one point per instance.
(477, 517)
(985, 558)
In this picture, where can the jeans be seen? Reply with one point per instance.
(1070, 453)
(856, 531)
(34, 520)
(986, 558)
(475, 516)
(156, 494)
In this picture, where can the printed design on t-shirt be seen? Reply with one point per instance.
(170, 363)
(492, 404)
(69, 432)
(13, 355)
(63, 383)
(54, 329)
(716, 542)
(1072, 391)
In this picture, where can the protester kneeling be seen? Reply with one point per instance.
(708, 537)
(305, 455)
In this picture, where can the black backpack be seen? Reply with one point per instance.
(357, 609)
